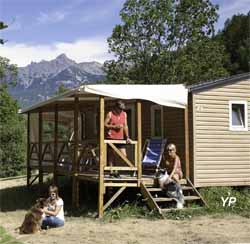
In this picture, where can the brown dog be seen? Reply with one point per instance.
(33, 219)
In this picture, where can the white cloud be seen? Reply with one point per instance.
(228, 8)
(53, 17)
(83, 50)
(231, 7)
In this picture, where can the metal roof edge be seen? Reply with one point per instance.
(52, 99)
(211, 83)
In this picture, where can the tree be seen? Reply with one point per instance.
(2, 26)
(12, 128)
(12, 136)
(6, 69)
(8, 72)
(236, 38)
(198, 61)
(155, 37)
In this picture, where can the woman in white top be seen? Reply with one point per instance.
(54, 214)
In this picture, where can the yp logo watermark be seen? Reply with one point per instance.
(228, 201)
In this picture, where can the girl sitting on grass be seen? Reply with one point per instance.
(54, 214)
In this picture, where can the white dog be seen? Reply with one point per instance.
(163, 177)
(176, 193)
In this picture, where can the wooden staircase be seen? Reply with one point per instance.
(156, 199)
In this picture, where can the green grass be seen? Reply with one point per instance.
(129, 210)
(212, 195)
(5, 238)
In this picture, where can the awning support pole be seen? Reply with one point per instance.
(102, 160)
(186, 142)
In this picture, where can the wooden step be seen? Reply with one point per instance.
(185, 188)
(168, 199)
(150, 201)
(190, 198)
(156, 189)
(163, 199)
(165, 210)
(150, 193)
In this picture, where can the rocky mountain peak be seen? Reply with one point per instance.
(45, 77)
(63, 58)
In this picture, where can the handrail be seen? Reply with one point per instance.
(90, 140)
(67, 141)
(120, 141)
(112, 144)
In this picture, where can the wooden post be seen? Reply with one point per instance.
(102, 160)
(75, 183)
(28, 150)
(40, 146)
(186, 142)
(55, 145)
(162, 121)
(139, 140)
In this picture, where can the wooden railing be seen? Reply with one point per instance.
(65, 150)
(128, 164)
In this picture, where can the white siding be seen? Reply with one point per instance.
(222, 157)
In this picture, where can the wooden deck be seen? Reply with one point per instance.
(93, 176)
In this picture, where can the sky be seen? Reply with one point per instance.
(43, 29)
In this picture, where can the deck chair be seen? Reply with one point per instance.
(154, 149)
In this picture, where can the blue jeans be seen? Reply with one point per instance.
(52, 221)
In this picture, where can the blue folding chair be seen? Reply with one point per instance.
(153, 153)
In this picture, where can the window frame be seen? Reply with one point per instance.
(95, 125)
(132, 129)
(234, 127)
(83, 125)
(152, 113)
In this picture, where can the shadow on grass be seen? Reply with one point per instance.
(17, 198)
(22, 198)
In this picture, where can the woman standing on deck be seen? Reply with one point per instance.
(117, 129)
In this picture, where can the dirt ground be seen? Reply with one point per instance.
(199, 230)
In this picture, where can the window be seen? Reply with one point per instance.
(130, 110)
(238, 115)
(96, 124)
(156, 121)
(83, 127)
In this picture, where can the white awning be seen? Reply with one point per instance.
(166, 95)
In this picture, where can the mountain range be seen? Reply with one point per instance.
(39, 81)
